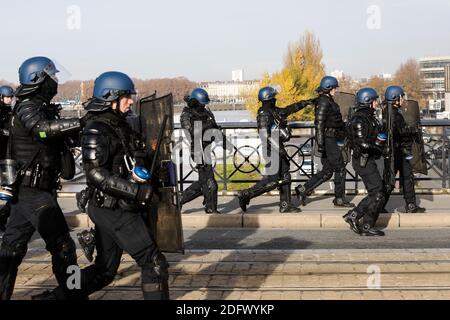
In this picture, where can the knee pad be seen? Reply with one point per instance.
(155, 276)
(327, 176)
(380, 199)
(11, 257)
(211, 184)
(286, 177)
(156, 270)
(65, 249)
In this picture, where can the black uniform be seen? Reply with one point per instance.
(206, 184)
(36, 145)
(269, 117)
(5, 118)
(403, 136)
(115, 206)
(364, 128)
(330, 129)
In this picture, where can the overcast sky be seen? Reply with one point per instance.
(204, 40)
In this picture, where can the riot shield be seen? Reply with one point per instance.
(136, 109)
(165, 220)
(411, 113)
(346, 102)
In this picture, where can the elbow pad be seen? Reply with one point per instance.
(56, 128)
(112, 185)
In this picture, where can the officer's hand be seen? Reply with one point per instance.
(144, 194)
(82, 200)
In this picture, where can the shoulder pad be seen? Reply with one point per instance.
(28, 114)
(98, 127)
(95, 145)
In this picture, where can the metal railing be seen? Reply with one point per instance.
(246, 158)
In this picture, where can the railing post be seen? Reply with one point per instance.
(180, 179)
(445, 164)
(224, 160)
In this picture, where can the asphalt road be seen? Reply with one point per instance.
(304, 239)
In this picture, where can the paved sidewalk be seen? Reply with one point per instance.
(318, 214)
(273, 274)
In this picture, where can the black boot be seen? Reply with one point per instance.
(285, 207)
(369, 231)
(414, 208)
(46, 295)
(301, 194)
(341, 202)
(352, 219)
(243, 201)
(212, 211)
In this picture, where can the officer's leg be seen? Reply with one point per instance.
(335, 158)
(372, 204)
(209, 189)
(388, 187)
(285, 189)
(5, 212)
(303, 191)
(374, 185)
(266, 184)
(97, 276)
(134, 238)
(354, 215)
(49, 221)
(13, 248)
(409, 192)
(192, 192)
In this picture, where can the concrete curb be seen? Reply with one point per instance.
(304, 220)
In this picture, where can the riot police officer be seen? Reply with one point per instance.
(402, 141)
(330, 134)
(271, 117)
(367, 141)
(196, 112)
(115, 163)
(6, 100)
(36, 138)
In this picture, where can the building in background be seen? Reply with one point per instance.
(433, 73)
(231, 92)
(338, 74)
(237, 75)
(447, 88)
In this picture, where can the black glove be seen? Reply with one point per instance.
(82, 200)
(144, 194)
(305, 103)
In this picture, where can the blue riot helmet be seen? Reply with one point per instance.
(110, 86)
(198, 96)
(6, 91)
(38, 74)
(394, 93)
(33, 71)
(328, 83)
(365, 97)
(267, 93)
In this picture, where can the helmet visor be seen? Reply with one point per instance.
(58, 73)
